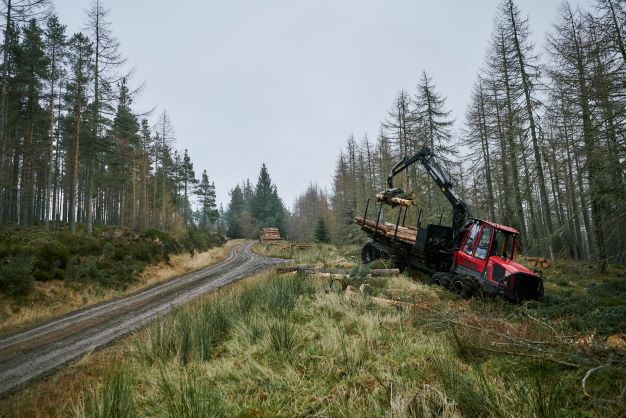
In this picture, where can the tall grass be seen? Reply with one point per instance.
(114, 400)
(187, 397)
(193, 334)
(479, 395)
(283, 336)
(281, 346)
(190, 335)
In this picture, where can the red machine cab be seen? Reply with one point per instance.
(487, 253)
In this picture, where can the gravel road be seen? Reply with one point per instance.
(39, 350)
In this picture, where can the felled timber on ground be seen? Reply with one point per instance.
(310, 270)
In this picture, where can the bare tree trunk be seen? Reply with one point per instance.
(5, 148)
(511, 146)
(26, 204)
(73, 202)
(531, 119)
(484, 139)
(50, 146)
(506, 189)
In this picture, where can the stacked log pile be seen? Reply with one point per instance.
(270, 236)
(405, 234)
(537, 262)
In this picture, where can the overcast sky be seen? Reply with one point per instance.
(286, 81)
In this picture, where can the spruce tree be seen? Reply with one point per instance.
(235, 210)
(266, 207)
(189, 180)
(124, 149)
(206, 195)
(321, 233)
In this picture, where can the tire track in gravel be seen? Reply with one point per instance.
(37, 351)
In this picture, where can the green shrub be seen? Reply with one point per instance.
(109, 257)
(198, 240)
(16, 275)
(83, 269)
(51, 257)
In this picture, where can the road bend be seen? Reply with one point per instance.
(37, 351)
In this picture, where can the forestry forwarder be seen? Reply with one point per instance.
(472, 256)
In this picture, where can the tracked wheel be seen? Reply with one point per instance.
(372, 251)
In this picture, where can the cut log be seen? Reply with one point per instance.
(393, 201)
(370, 223)
(539, 262)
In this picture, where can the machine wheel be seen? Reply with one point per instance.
(438, 279)
(369, 253)
(463, 287)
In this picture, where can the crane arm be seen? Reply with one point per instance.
(461, 211)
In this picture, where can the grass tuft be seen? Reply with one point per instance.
(114, 400)
(187, 397)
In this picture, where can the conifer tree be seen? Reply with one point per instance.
(55, 44)
(236, 208)
(31, 68)
(127, 155)
(80, 57)
(321, 233)
(266, 207)
(206, 195)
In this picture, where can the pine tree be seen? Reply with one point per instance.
(31, 70)
(107, 60)
(80, 57)
(55, 44)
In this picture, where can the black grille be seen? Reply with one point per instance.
(498, 272)
(528, 286)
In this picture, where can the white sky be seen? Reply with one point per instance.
(286, 81)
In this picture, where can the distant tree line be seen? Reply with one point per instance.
(252, 208)
(543, 146)
(72, 150)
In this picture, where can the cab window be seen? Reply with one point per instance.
(483, 244)
(502, 244)
(471, 239)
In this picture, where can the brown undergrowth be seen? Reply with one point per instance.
(54, 298)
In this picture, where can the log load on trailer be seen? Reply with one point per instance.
(470, 256)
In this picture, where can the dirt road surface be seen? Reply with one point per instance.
(34, 352)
